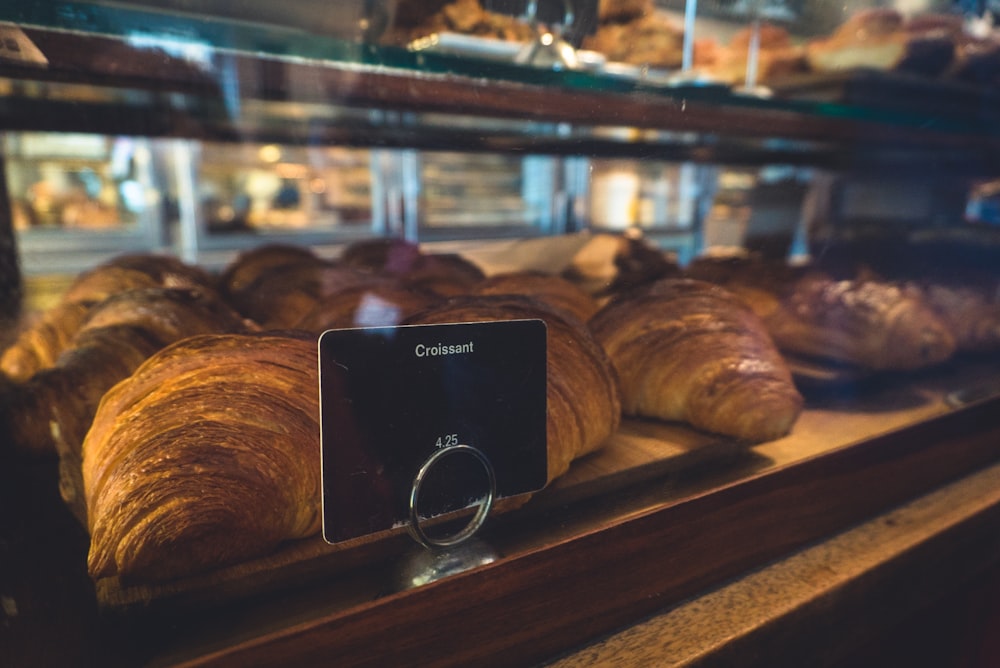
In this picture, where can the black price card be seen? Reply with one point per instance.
(391, 397)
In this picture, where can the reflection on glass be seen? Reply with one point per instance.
(262, 188)
(76, 181)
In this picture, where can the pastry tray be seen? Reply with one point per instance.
(661, 513)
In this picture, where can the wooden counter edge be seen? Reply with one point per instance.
(820, 604)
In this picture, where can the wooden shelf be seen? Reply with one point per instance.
(107, 84)
(574, 564)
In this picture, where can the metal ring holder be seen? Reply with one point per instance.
(481, 513)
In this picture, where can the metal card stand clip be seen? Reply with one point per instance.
(448, 555)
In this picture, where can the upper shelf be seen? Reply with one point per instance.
(126, 71)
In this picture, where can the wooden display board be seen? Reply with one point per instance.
(658, 514)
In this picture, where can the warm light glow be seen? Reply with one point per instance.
(269, 153)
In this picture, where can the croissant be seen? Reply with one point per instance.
(207, 455)
(390, 255)
(379, 304)
(690, 351)
(281, 296)
(584, 407)
(444, 273)
(609, 264)
(553, 290)
(39, 345)
(53, 409)
(249, 265)
(972, 317)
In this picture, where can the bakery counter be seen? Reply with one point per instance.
(915, 586)
(660, 515)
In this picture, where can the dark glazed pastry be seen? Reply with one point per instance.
(866, 323)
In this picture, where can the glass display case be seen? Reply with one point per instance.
(828, 173)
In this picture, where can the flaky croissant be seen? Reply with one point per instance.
(690, 351)
(584, 407)
(39, 345)
(207, 455)
(53, 409)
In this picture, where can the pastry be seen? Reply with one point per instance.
(866, 323)
(39, 345)
(281, 296)
(249, 265)
(53, 409)
(622, 11)
(777, 56)
(651, 40)
(878, 39)
(555, 291)
(380, 304)
(207, 455)
(690, 351)
(610, 263)
(443, 273)
(584, 407)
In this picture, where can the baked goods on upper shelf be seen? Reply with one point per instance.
(415, 19)
(648, 40)
(777, 56)
(690, 351)
(883, 39)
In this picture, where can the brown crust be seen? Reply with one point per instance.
(375, 305)
(208, 454)
(690, 351)
(40, 344)
(249, 265)
(553, 290)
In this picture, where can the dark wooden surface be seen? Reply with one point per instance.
(567, 573)
(537, 603)
(915, 586)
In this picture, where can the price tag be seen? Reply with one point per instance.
(393, 400)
